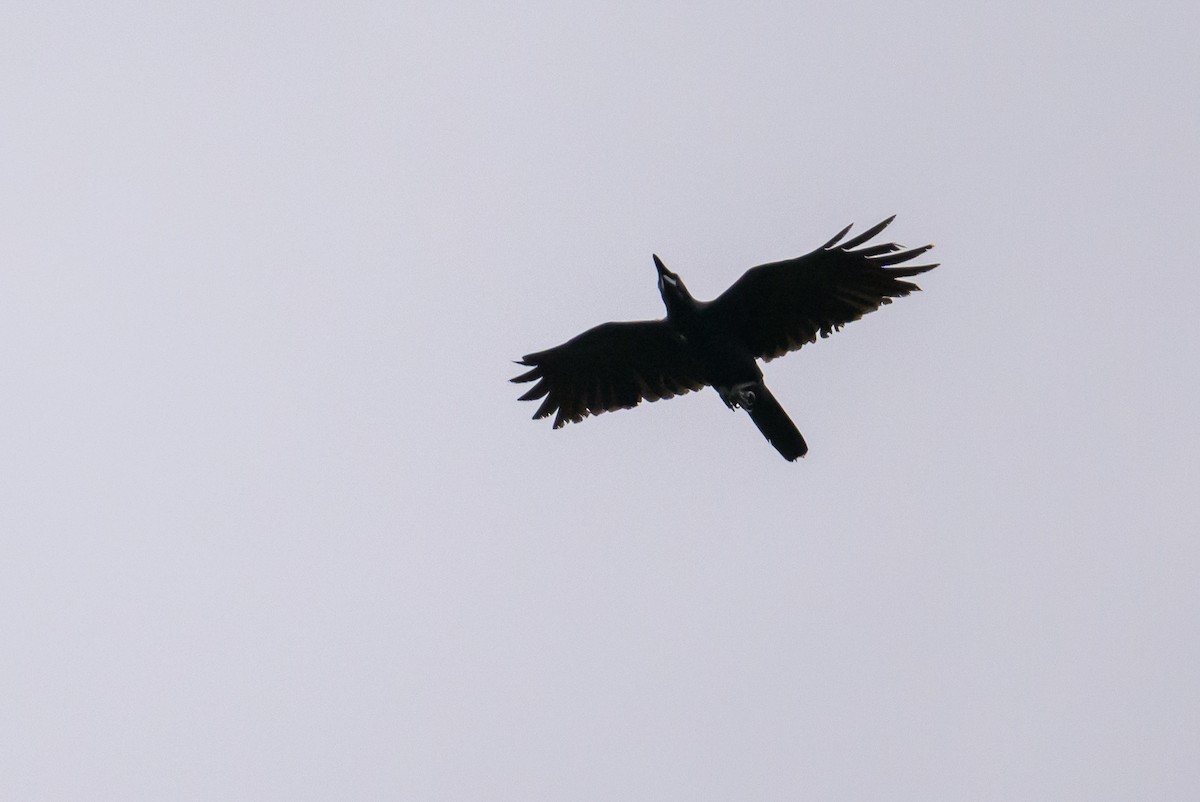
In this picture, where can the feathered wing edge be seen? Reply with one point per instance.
(595, 400)
(888, 283)
(887, 254)
(612, 366)
(851, 279)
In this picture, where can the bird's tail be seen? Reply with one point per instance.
(775, 425)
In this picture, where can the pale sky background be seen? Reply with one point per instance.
(276, 527)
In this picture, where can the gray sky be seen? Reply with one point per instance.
(275, 526)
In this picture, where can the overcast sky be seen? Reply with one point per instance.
(275, 526)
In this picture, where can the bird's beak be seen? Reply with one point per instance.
(664, 276)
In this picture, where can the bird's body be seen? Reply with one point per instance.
(723, 360)
(772, 309)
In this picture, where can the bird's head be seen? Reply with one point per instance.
(674, 294)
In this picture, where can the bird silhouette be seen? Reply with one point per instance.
(772, 309)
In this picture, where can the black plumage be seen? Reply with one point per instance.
(772, 309)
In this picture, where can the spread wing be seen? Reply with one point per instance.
(612, 366)
(778, 307)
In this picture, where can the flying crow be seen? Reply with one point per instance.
(771, 310)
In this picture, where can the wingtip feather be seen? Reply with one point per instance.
(866, 235)
(898, 256)
(527, 376)
(915, 270)
(837, 237)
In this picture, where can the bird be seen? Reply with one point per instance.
(773, 309)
